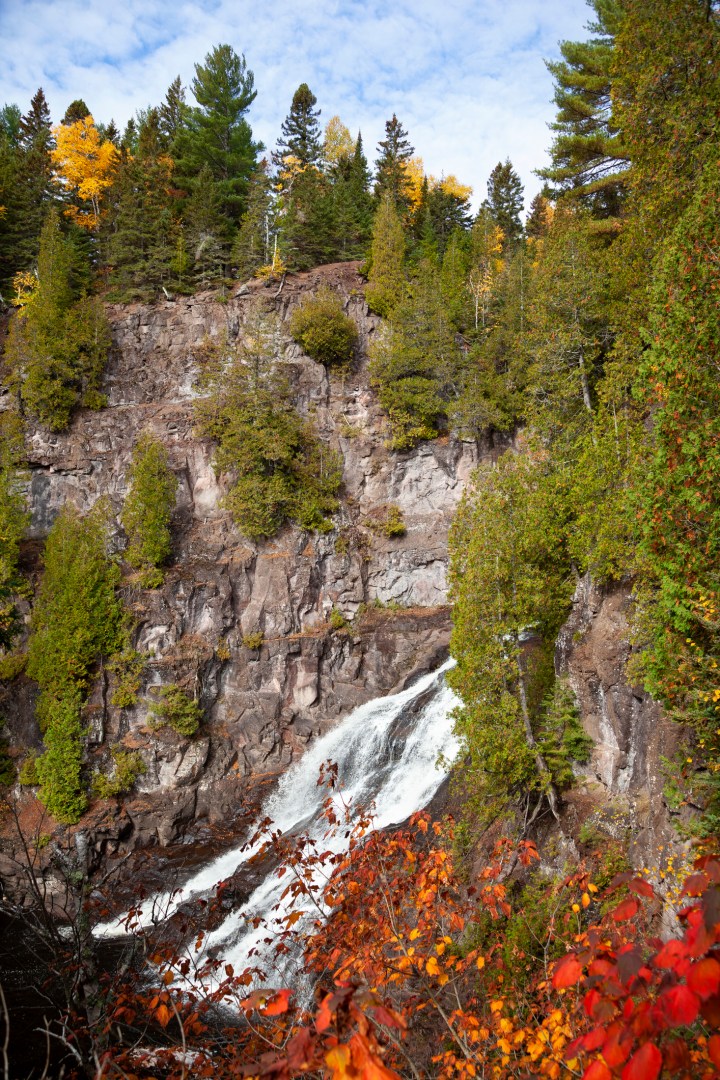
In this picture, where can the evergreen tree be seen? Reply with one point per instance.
(57, 348)
(352, 203)
(539, 218)
(386, 278)
(173, 112)
(14, 519)
(76, 110)
(301, 131)
(215, 136)
(505, 201)
(589, 159)
(148, 509)
(414, 362)
(255, 242)
(391, 178)
(205, 231)
(308, 221)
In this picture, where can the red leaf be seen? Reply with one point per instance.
(641, 887)
(671, 952)
(714, 1050)
(567, 973)
(645, 1065)
(711, 1011)
(594, 1039)
(680, 1005)
(628, 909)
(617, 1046)
(703, 978)
(695, 885)
(598, 1070)
(324, 1015)
(278, 1003)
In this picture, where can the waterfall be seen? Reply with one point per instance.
(386, 752)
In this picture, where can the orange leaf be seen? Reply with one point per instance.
(644, 1065)
(162, 1015)
(432, 966)
(338, 1059)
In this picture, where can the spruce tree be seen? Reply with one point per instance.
(206, 231)
(539, 217)
(301, 131)
(386, 278)
(76, 110)
(390, 173)
(505, 201)
(173, 112)
(414, 362)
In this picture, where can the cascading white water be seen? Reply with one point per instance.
(386, 752)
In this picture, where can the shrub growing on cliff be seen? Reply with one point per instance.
(178, 710)
(57, 346)
(128, 766)
(13, 522)
(148, 508)
(323, 330)
(76, 621)
(282, 470)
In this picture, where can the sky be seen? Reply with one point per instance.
(466, 78)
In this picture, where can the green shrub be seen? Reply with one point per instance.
(28, 774)
(323, 330)
(282, 471)
(128, 766)
(59, 768)
(127, 667)
(14, 519)
(77, 616)
(388, 522)
(77, 620)
(337, 620)
(178, 710)
(253, 641)
(562, 739)
(148, 509)
(8, 772)
(12, 665)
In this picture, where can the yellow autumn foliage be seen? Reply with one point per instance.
(86, 163)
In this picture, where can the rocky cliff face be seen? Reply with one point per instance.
(620, 793)
(262, 704)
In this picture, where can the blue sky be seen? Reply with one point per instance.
(466, 79)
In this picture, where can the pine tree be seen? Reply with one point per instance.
(309, 224)
(215, 136)
(386, 279)
(588, 156)
(505, 201)
(301, 132)
(390, 173)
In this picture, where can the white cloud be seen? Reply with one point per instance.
(466, 79)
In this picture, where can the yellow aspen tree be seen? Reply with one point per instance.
(338, 142)
(85, 163)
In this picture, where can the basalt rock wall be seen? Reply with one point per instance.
(261, 704)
